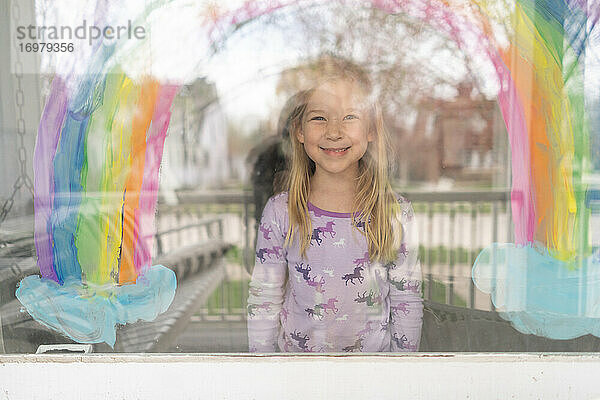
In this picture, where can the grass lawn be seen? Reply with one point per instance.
(441, 255)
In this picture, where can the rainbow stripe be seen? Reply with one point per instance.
(96, 165)
(103, 161)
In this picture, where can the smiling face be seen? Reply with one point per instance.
(335, 128)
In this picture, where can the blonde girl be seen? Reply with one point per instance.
(336, 257)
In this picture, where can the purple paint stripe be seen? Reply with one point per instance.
(591, 9)
(43, 171)
(157, 133)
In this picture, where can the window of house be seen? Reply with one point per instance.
(135, 171)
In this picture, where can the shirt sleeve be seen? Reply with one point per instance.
(404, 276)
(266, 289)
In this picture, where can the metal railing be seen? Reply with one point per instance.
(453, 228)
(235, 214)
(199, 229)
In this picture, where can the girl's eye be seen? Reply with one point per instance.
(350, 116)
(317, 118)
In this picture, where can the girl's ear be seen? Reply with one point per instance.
(300, 136)
(370, 136)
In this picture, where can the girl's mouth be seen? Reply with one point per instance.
(335, 151)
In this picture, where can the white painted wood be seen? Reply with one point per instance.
(447, 376)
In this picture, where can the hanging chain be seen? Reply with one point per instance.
(23, 180)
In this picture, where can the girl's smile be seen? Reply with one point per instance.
(335, 151)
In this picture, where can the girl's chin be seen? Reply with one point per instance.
(337, 169)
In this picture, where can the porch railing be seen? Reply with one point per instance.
(453, 228)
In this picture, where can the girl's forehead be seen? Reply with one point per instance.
(338, 92)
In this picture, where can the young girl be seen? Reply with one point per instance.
(336, 256)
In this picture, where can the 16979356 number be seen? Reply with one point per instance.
(54, 47)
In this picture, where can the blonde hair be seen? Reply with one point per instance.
(375, 204)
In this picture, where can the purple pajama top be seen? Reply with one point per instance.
(335, 299)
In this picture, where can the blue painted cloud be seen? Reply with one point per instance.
(90, 314)
(539, 294)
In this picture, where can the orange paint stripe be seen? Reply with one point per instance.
(140, 124)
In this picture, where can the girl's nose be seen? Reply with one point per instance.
(334, 131)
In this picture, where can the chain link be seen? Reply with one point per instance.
(18, 69)
(19, 98)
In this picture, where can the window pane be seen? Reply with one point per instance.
(145, 153)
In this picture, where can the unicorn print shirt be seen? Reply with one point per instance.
(334, 299)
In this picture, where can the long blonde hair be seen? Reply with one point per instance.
(374, 205)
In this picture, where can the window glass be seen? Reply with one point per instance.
(150, 152)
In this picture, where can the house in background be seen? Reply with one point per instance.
(462, 140)
(196, 153)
